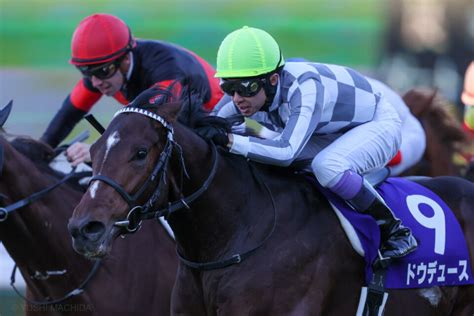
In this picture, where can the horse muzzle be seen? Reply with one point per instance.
(89, 238)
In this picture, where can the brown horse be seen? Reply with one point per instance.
(137, 278)
(252, 239)
(445, 138)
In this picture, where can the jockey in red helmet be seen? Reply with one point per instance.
(114, 63)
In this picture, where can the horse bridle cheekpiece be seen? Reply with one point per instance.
(138, 213)
(133, 221)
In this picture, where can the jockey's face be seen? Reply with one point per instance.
(251, 105)
(111, 85)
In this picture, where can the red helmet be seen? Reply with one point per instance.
(100, 38)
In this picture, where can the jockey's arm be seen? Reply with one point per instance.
(74, 107)
(303, 118)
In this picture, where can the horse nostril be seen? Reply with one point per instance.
(93, 231)
(74, 231)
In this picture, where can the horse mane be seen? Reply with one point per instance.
(38, 152)
(191, 106)
(292, 175)
(244, 162)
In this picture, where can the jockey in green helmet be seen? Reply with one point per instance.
(328, 119)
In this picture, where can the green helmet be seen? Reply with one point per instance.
(248, 52)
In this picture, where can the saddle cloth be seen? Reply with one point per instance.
(442, 257)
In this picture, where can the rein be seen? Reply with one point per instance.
(1, 159)
(4, 211)
(237, 258)
(72, 293)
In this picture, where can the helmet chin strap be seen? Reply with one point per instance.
(270, 91)
(124, 83)
(126, 76)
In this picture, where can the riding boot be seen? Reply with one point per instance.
(396, 239)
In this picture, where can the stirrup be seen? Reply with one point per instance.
(406, 238)
(381, 262)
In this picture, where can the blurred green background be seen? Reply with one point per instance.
(35, 40)
(37, 33)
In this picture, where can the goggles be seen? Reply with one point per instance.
(102, 72)
(245, 88)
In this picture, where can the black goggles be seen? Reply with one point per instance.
(245, 88)
(103, 71)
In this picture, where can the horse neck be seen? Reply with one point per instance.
(440, 155)
(220, 218)
(36, 235)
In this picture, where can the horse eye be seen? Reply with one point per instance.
(141, 154)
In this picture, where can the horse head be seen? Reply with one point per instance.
(129, 164)
(35, 204)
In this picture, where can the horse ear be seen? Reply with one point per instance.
(170, 111)
(5, 112)
(418, 101)
(433, 96)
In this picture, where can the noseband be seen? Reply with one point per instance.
(138, 213)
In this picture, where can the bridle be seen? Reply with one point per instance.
(137, 213)
(77, 291)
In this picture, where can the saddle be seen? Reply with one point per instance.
(62, 165)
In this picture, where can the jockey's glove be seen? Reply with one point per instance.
(214, 128)
(215, 133)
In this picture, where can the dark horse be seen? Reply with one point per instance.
(445, 137)
(252, 239)
(138, 276)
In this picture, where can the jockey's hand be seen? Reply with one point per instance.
(77, 153)
(215, 133)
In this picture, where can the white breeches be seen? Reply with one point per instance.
(413, 144)
(365, 147)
